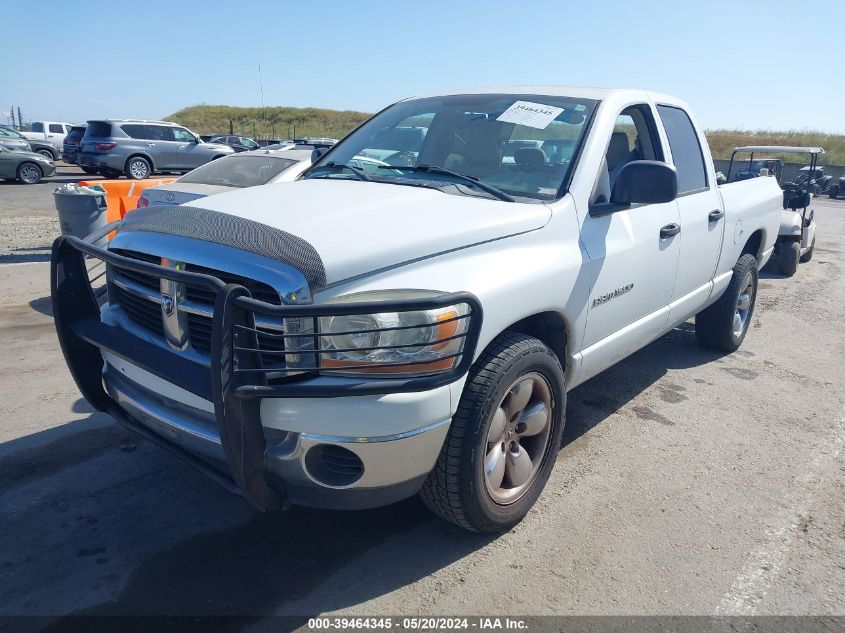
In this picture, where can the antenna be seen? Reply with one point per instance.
(261, 90)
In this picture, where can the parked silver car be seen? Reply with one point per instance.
(138, 148)
(246, 169)
(12, 140)
(27, 167)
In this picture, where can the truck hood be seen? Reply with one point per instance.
(361, 227)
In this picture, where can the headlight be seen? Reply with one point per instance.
(419, 342)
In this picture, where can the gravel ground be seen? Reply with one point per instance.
(28, 221)
(689, 483)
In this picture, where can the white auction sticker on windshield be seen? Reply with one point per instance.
(530, 114)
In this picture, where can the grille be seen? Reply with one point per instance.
(147, 314)
(141, 311)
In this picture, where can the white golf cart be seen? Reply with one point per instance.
(797, 234)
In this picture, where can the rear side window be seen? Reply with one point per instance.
(686, 150)
(98, 128)
(158, 133)
(56, 128)
(135, 131)
(37, 127)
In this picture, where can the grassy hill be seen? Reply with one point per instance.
(280, 122)
(275, 122)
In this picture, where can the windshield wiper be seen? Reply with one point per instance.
(434, 169)
(359, 174)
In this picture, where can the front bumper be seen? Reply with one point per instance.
(324, 441)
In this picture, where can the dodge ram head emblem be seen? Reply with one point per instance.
(167, 305)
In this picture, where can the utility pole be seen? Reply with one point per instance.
(13, 117)
(20, 119)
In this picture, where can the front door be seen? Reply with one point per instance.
(632, 266)
(188, 152)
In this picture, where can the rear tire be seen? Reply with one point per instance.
(788, 257)
(514, 389)
(723, 325)
(29, 173)
(138, 168)
(809, 254)
(89, 170)
(833, 192)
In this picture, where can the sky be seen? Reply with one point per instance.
(750, 65)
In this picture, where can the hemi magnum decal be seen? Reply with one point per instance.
(612, 295)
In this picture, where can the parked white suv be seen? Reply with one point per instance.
(353, 338)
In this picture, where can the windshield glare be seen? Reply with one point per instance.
(239, 171)
(523, 145)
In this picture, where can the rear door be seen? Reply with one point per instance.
(700, 208)
(632, 267)
(162, 148)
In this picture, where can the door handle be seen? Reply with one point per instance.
(151, 144)
(715, 214)
(669, 230)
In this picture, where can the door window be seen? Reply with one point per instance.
(37, 127)
(56, 128)
(686, 150)
(182, 135)
(634, 137)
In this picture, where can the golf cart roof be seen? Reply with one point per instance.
(780, 149)
(809, 167)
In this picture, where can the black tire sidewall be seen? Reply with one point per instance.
(745, 264)
(788, 258)
(498, 517)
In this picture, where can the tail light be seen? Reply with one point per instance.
(105, 146)
(143, 202)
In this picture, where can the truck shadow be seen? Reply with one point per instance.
(168, 542)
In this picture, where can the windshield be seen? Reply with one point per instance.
(522, 145)
(239, 171)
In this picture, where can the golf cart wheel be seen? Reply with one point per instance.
(29, 174)
(138, 168)
(89, 170)
(809, 254)
(723, 325)
(504, 438)
(788, 257)
(833, 192)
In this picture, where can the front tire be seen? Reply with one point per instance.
(29, 174)
(788, 257)
(503, 439)
(723, 325)
(833, 192)
(809, 254)
(138, 168)
(46, 153)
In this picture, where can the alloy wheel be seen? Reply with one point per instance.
(518, 438)
(743, 305)
(30, 174)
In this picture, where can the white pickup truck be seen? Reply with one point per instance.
(50, 131)
(413, 324)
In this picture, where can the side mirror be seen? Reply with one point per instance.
(317, 154)
(197, 139)
(645, 182)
